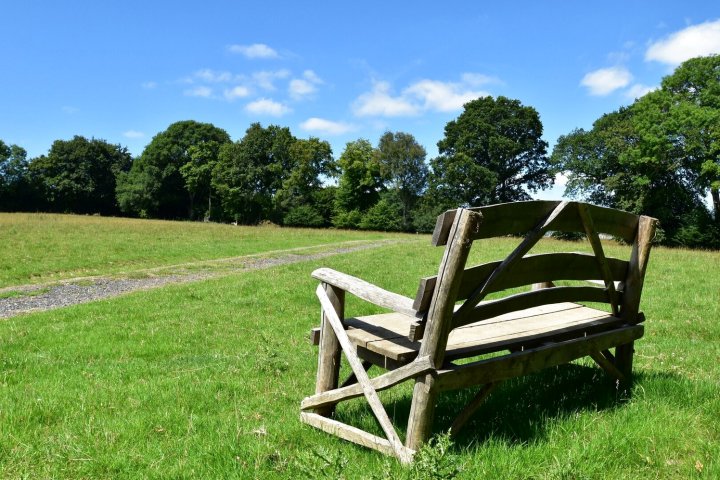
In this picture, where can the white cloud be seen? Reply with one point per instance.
(211, 76)
(311, 76)
(606, 80)
(133, 134)
(379, 102)
(149, 85)
(201, 91)
(266, 79)
(442, 96)
(256, 50)
(236, 92)
(422, 96)
(300, 88)
(327, 127)
(693, 41)
(638, 90)
(265, 106)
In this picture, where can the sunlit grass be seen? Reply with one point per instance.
(204, 380)
(44, 247)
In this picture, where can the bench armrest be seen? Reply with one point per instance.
(367, 291)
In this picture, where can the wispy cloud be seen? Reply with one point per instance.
(606, 80)
(300, 88)
(266, 79)
(266, 106)
(638, 90)
(380, 102)
(133, 134)
(236, 92)
(443, 96)
(424, 95)
(256, 50)
(213, 76)
(326, 127)
(200, 91)
(149, 85)
(694, 41)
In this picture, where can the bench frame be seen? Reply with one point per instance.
(432, 315)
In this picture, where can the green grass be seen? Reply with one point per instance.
(45, 247)
(204, 380)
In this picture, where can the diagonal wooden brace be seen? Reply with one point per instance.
(401, 452)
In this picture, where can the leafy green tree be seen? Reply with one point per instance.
(402, 164)
(493, 152)
(312, 160)
(15, 190)
(155, 186)
(658, 156)
(197, 173)
(251, 171)
(360, 183)
(79, 175)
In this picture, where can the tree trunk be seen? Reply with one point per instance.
(715, 194)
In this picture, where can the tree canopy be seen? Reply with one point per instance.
(155, 186)
(78, 175)
(660, 156)
(15, 190)
(493, 152)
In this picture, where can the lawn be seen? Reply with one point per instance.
(204, 380)
(46, 247)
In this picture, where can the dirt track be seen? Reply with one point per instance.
(30, 298)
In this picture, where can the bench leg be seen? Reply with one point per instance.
(422, 412)
(624, 362)
(329, 353)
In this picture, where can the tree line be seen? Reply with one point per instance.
(659, 156)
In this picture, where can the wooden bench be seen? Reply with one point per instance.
(421, 338)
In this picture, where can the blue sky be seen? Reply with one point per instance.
(124, 71)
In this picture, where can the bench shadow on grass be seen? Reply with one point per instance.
(520, 411)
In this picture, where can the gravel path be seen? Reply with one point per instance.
(29, 298)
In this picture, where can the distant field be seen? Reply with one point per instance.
(204, 380)
(45, 247)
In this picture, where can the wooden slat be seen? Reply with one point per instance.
(525, 300)
(592, 235)
(439, 324)
(383, 382)
(528, 361)
(381, 335)
(608, 366)
(529, 270)
(366, 291)
(362, 377)
(636, 271)
(515, 256)
(353, 434)
(520, 217)
(471, 408)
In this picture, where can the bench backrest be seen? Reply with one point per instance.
(620, 280)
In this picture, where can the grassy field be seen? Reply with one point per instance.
(45, 247)
(204, 380)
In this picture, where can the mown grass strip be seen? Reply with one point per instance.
(38, 248)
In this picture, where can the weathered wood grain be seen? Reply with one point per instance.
(383, 382)
(362, 377)
(367, 291)
(528, 361)
(520, 217)
(439, 324)
(328, 371)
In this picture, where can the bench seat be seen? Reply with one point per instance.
(382, 339)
